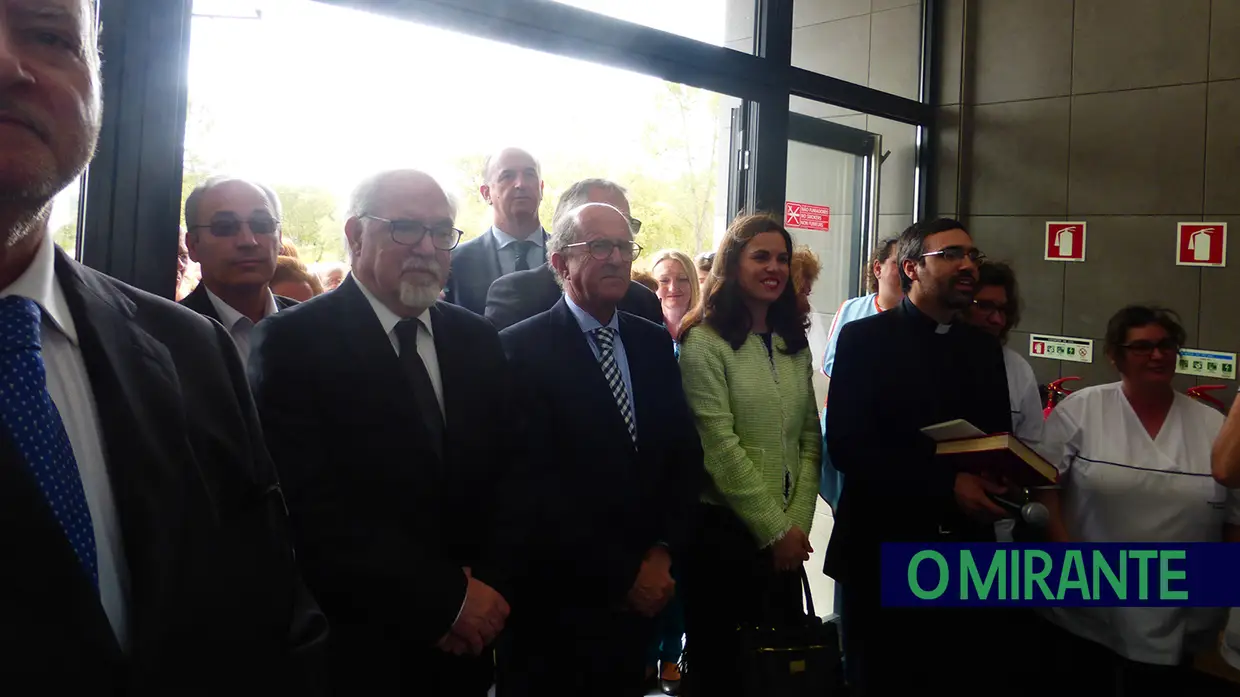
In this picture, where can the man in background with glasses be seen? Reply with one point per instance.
(234, 235)
(619, 471)
(896, 373)
(523, 294)
(388, 415)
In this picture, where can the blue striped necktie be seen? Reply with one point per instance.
(606, 336)
(32, 420)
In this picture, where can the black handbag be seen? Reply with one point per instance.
(791, 657)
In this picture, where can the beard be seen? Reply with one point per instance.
(420, 295)
(953, 298)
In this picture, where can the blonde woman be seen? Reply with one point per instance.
(677, 289)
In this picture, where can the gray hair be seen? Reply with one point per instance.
(579, 194)
(195, 197)
(362, 200)
(567, 228)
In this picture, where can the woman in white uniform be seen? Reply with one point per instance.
(1135, 462)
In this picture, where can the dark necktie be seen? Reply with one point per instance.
(31, 418)
(423, 390)
(522, 250)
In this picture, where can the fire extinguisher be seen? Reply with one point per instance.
(1201, 393)
(1055, 393)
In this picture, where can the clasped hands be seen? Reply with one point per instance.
(654, 586)
(481, 620)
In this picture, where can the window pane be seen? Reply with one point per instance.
(718, 22)
(873, 44)
(311, 98)
(64, 222)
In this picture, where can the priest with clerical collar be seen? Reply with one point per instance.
(896, 373)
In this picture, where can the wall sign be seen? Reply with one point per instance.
(1207, 364)
(807, 216)
(1065, 241)
(1201, 244)
(1061, 348)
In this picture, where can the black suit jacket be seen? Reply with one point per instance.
(383, 526)
(200, 303)
(214, 598)
(600, 503)
(893, 376)
(475, 266)
(523, 294)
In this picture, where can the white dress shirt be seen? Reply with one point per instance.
(508, 257)
(426, 339)
(69, 386)
(238, 325)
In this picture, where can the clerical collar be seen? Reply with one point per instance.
(926, 320)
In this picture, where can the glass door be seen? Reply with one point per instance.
(831, 207)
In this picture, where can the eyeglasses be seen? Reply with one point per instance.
(229, 227)
(444, 237)
(988, 308)
(1146, 348)
(601, 249)
(957, 253)
(635, 225)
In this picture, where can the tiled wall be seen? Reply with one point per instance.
(1121, 113)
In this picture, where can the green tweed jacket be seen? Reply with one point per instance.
(758, 421)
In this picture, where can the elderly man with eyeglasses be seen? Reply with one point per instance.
(387, 413)
(619, 472)
(234, 235)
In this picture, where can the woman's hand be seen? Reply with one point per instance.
(792, 549)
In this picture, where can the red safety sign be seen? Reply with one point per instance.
(1065, 242)
(807, 216)
(1201, 244)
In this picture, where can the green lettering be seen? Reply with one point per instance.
(969, 575)
(1143, 575)
(1167, 575)
(1073, 563)
(1038, 577)
(1118, 584)
(944, 576)
(1014, 594)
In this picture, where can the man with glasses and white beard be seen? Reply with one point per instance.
(388, 415)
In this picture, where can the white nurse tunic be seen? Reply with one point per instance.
(1119, 485)
(1027, 421)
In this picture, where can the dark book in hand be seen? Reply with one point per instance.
(1000, 457)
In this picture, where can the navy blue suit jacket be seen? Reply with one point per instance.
(595, 503)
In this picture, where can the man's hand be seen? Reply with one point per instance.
(481, 620)
(654, 586)
(792, 549)
(972, 495)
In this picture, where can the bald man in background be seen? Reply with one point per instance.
(516, 241)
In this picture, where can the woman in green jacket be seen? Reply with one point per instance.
(746, 366)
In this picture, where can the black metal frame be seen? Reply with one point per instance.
(132, 193)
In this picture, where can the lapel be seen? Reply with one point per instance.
(454, 373)
(145, 437)
(361, 334)
(579, 360)
(493, 270)
(645, 386)
(200, 303)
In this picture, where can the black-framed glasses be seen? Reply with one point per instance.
(602, 249)
(230, 227)
(1146, 348)
(407, 232)
(987, 307)
(958, 253)
(635, 225)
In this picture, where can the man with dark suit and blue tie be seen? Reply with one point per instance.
(620, 469)
(512, 185)
(143, 537)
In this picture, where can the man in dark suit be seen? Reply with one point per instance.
(144, 541)
(619, 472)
(896, 373)
(523, 294)
(234, 235)
(388, 416)
(513, 187)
